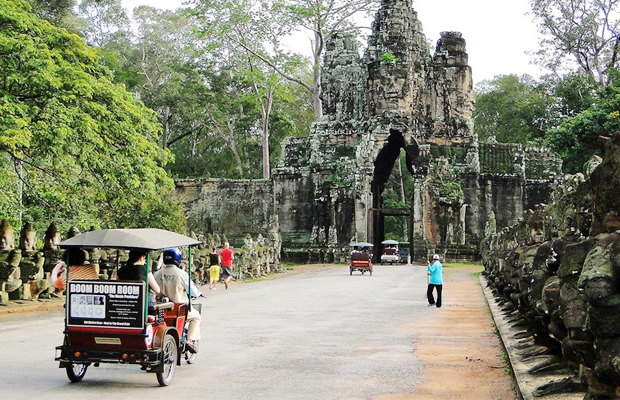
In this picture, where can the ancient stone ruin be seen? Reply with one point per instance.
(557, 272)
(327, 188)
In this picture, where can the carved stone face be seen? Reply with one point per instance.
(27, 238)
(7, 236)
(537, 234)
(52, 237)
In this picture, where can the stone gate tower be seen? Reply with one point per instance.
(328, 186)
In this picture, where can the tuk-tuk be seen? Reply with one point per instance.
(110, 321)
(390, 252)
(361, 258)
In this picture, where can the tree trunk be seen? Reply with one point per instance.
(165, 136)
(266, 113)
(402, 199)
(317, 104)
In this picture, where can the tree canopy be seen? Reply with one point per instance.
(75, 147)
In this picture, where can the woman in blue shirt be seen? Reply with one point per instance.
(435, 282)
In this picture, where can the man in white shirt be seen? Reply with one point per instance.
(176, 285)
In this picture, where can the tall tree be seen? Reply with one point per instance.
(106, 22)
(55, 11)
(270, 23)
(511, 109)
(588, 31)
(84, 149)
(576, 139)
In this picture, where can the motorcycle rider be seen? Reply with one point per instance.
(176, 285)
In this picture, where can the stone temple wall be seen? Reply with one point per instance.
(557, 272)
(227, 206)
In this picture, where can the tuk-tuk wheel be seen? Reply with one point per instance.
(76, 372)
(370, 272)
(350, 272)
(170, 361)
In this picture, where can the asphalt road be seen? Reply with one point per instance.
(317, 335)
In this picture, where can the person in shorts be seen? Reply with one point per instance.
(226, 259)
(214, 268)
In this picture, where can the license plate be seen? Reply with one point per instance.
(108, 340)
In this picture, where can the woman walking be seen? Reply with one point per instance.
(435, 282)
(214, 268)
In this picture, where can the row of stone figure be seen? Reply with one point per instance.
(25, 271)
(559, 270)
(256, 257)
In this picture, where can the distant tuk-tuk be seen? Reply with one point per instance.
(110, 321)
(361, 258)
(403, 252)
(390, 252)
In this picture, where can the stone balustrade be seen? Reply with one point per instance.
(558, 271)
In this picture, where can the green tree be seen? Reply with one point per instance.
(55, 11)
(511, 108)
(575, 140)
(269, 23)
(83, 148)
(586, 31)
(106, 22)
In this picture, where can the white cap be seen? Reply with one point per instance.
(436, 257)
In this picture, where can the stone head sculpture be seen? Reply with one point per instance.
(7, 236)
(52, 237)
(535, 224)
(73, 232)
(27, 238)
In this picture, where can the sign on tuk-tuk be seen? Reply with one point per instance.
(103, 303)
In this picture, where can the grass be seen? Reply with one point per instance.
(473, 269)
(288, 266)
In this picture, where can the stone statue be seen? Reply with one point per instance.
(31, 265)
(51, 253)
(9, 262)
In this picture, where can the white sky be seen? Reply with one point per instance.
(498, 33)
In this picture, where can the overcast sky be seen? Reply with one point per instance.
(497, 32)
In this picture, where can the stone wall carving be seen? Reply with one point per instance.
(558, 270)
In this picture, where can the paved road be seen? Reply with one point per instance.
(317, 335)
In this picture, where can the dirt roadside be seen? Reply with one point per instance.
(458, 346)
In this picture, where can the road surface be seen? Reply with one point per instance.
(318, 335)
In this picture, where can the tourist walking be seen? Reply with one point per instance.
(226, 259)
(214, 268)
(435, 282)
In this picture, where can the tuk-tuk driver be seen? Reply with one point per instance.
(176, 285)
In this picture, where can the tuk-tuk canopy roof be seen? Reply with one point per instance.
(390, 242)
(361, 244)
(142, 238)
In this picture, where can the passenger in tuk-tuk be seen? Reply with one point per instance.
(80, 269)
(176, 285)
(135, 270)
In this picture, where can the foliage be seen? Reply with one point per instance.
(246, 24)
(512, 109)
(442, 182)
(389, 58)
(575, 140)
(55, 11)
(83, 147)
(588, 31)
(398, 194)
